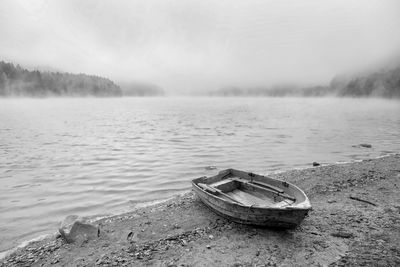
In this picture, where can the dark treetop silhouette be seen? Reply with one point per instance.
(16, 81)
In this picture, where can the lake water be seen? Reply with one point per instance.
(102, 156)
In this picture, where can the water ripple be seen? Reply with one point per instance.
(148, 149)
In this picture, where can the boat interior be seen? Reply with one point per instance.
(246, 192)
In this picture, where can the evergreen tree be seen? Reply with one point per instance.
(16, 81)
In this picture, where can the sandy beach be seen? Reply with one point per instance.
(341, 230)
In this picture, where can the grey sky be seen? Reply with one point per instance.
(201, 45)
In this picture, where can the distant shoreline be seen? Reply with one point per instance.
(16, 81)
(182, 230)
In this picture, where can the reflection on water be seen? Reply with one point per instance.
(101, 156)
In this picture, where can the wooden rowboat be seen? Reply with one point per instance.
(253, 199)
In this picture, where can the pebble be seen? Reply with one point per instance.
(210, 168)
(366, 145)
(342, 234)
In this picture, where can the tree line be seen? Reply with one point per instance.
(17, 81)
(383, 83)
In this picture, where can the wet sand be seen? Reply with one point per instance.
(341, 230)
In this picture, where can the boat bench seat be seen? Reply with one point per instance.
(222, 182)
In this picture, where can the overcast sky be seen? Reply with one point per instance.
(191, 45)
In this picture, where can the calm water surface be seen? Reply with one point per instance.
(100, 156)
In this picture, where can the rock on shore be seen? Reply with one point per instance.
(340, 231)
(76, 229)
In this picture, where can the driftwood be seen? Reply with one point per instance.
(363, 200)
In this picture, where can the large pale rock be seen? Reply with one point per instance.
(77, 229)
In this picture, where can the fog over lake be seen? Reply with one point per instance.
(94, 157)
(194, 46)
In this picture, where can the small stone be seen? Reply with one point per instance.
(211, 237)
(208, 247)
(366, 145)
(342, 234)
(209, 168)
(315, 164)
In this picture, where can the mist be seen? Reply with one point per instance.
(195, 46)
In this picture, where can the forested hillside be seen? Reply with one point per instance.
(276, 91)
(385, 83)
(16, 81)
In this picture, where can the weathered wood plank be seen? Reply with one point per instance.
(247, 215)
(264, 188)
(277, 189)
(247, 198)
(217, 191)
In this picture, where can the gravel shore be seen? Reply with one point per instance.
(355, 221)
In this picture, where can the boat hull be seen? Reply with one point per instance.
(248, 198)
(269, 217)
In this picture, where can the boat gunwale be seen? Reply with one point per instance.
(301, 206)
